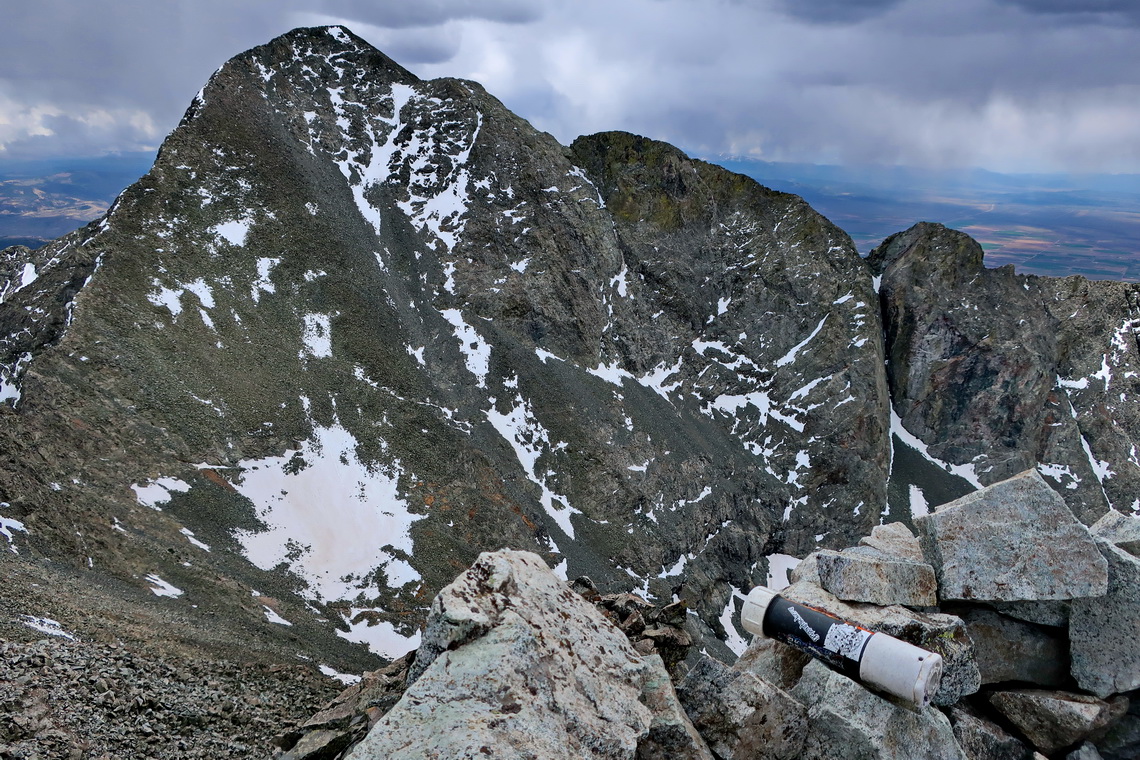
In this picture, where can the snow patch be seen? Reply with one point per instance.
(530, 440)
(9, 524)
(345, 678)
(779, 565)
(234, 232)
(263, 283)
(918, 503)
(273, 617)
(790, 357)
(734, 640)
(158, 492)
(381, 637)
(476, 351)
(332, 519)
(190, 537)
(46, 625)
(159, 587)
(316, 335)
(964, 471)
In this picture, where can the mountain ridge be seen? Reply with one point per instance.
(341, 286)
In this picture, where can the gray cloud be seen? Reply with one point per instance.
(1026, 84)
(837, 11)
(401, 15)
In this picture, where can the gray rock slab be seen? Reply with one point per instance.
(894, 540)
(1104, 632)
(982, 739)
(933, 631)
(1086, 751)
(773, 661)
(1012, 650)
(740, 716)
(1120, 529)
(863, 574)
(847, 721)
(514, 664)
(1014, 540)
(1052, 720)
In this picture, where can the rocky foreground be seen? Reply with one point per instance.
(1034, 614)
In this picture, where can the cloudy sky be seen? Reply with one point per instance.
(1009, 85)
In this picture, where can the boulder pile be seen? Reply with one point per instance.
(1035, 615)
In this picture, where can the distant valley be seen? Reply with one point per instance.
(43, 199)
(1045, 224)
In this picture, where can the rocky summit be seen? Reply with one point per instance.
(355, 328)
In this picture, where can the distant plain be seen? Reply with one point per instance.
(1045, 224)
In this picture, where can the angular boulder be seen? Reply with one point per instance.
(1052, 720)
(1014, 540)
(863, 574)
(944, 634)
(894, 540)
(514, 664)
(740, 716)
(847, 721)
(982, 739)
(1122, 530)
(1104, 632)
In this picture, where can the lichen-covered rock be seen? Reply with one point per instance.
(863, 574)
(1104, 632)
(845, 720)
(740, 716)
(1011, 541)
(944, 634)
(982, 739)
(514, 664)
(1052, 720)
(1011, 650)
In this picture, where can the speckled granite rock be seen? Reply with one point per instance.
(1015, 540)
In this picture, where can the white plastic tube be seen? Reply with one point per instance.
(883, 663)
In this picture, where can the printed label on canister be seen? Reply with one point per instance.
(838, 644)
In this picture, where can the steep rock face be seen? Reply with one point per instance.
(358, 327)
(997, 373)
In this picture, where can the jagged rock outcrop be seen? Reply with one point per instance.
(395, 298)
(996, 373)
(515, 664)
